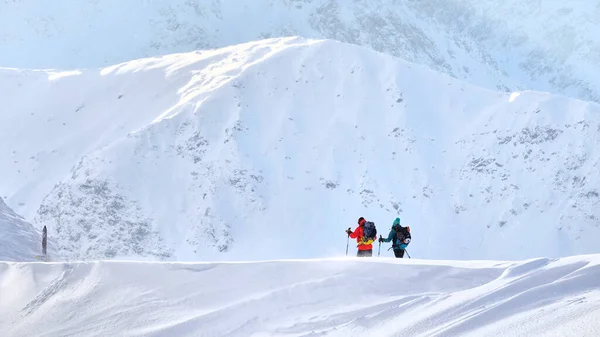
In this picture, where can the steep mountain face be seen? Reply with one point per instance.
(270, 149)
(509, 46)
(19, 240)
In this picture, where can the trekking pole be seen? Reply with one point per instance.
(347, 243)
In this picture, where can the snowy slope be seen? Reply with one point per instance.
(328, 297)
(542, 45)
(271, 149)
(19, 241)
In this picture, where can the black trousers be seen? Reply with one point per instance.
(399, 253)
(364, 253)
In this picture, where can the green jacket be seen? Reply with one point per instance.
(392, 236)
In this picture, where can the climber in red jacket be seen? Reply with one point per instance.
(364, 240)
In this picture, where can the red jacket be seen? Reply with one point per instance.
(358, 235)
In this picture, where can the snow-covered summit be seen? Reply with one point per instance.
(510, 45)
(271, 149)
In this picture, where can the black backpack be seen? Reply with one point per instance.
(369, 231)
(402, 233)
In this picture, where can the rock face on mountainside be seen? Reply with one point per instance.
(513, 45)
(93, 216)
(19, 241)
(271, 149)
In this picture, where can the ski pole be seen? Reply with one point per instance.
(379, 249)
(347, 243)
(406, 251)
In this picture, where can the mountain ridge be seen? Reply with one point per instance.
(499, 47)
(184, 155)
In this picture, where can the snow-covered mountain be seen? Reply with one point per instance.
(271, 149)
(19, 241)
(510, 45)
(373, 297)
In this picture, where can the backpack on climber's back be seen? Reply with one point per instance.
(369, 231)
(402, 234)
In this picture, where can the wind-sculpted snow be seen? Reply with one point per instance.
(271, 149)
(329, 297)
(19, 241)
(510, 45)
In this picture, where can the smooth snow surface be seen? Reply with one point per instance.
(509, 45)
(271, 149)
(329, 297)
(19, 241)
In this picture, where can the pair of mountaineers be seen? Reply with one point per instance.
(366, 233)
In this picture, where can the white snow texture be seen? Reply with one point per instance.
(272, 148)
(329, 297)
(249, 134)
(511, 45)
(19, 241)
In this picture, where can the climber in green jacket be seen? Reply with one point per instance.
(400, 237)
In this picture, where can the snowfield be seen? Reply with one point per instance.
(272, 148)
(325, 297)
(197, 164)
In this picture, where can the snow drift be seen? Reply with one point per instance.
(375, 297)
(19, 241)
(541, 45)
(270, 149)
